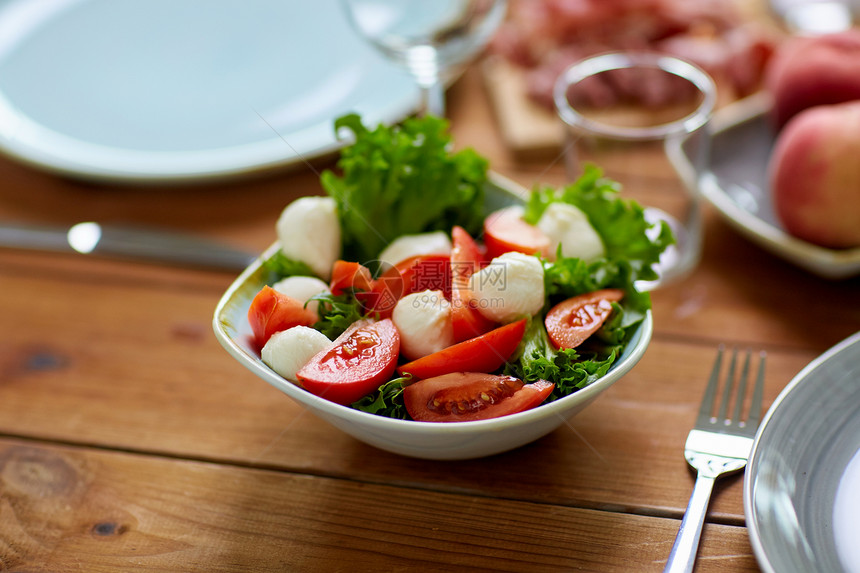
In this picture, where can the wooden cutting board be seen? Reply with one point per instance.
(531, 131)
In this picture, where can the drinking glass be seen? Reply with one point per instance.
(628, 113)
(431, 39)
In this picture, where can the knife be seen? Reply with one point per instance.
(138, 244)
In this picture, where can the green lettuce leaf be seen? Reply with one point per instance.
(621, 223)
(386, 401)
(337, 313)
(568, 277)
(403, 180)
(279, 266)
(574, 368)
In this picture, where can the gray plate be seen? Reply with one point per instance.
(736, 184)
(801, 451)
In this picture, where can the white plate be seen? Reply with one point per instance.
(736, 184)
(184, 89)
(801, 452)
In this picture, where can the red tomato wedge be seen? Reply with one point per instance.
(415, 274)
(505, 231)
(570, 322)
(272, 311)
(466, 259)
(467, 396)
(485, 353)
(361, 359)
(348, 275)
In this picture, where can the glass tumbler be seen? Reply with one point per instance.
(629, 113)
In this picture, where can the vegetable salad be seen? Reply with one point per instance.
(399, 295)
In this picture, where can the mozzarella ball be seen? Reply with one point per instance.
(302, 288)
(424, 322)
(569, 227)
(309, 231)
(509, 288)
(287, 351)
(401, 248)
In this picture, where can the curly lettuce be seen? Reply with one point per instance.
(386, 401)
(403, 180)
(621, 223)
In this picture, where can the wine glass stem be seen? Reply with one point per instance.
(433, 99)
(423, 62)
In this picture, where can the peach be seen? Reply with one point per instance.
(814, 172)
(815, 70)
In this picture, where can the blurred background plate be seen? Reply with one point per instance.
(194, 89)
(802, 484)
(736, 184)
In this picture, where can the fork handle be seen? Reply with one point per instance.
(683, 554)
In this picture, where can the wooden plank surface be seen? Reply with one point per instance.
(74, 509)
(193, 401)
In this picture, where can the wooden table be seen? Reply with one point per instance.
(130, 440)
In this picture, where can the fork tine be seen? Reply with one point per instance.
(754, 417)
(727, 390)
(742, 388)
(711, 389)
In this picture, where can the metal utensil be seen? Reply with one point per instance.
(716, 446)
(147, 245)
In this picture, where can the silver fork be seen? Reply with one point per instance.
(716, 446)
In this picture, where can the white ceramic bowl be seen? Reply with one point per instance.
(443, 441)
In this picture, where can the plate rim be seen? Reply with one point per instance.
(37, 144)
(785, 394)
